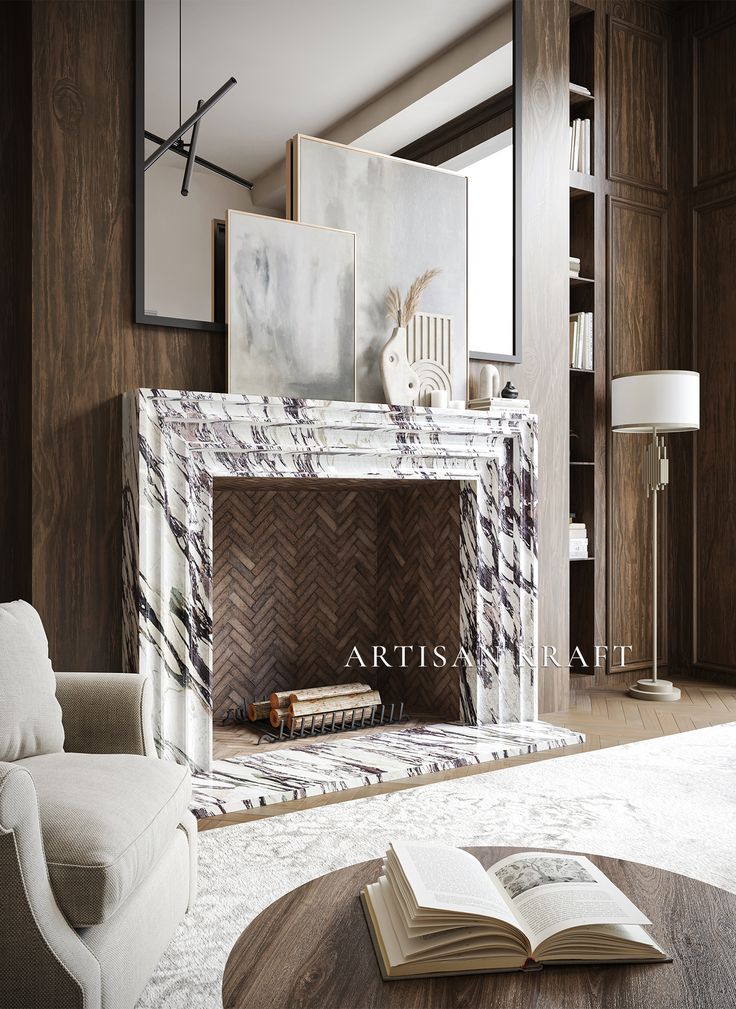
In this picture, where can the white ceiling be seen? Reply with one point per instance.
(301, 65)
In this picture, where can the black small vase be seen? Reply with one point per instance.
(509, 391)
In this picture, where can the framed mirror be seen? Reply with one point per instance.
(439, 88)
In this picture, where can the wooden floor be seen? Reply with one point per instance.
(607, 716)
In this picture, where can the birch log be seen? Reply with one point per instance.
(336, 690)
(280, 699)
(342, 703)
(278, 715)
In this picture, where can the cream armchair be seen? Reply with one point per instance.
(97, 844)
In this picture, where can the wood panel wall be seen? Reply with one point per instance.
(81, 348)
(15, 299)
(709, 82)
(542, 375)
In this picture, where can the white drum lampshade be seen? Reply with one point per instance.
(656, 400)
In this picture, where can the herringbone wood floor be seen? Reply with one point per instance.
(607, 716)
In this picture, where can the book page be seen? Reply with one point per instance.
(553, 892)
(450, 879)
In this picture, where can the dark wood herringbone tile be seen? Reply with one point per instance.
(303, 577)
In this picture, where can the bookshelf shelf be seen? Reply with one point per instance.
(577, 99)
(587, 469)
(581, 184)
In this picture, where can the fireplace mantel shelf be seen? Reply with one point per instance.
(177, 444)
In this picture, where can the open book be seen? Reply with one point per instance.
(437, 911)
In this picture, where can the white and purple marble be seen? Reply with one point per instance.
(302, 770)
(176, 443)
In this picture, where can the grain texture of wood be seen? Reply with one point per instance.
(542, 374)
(15, 296)
(311, 948)
(86, 349)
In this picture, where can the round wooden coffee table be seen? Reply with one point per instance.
(311, 950)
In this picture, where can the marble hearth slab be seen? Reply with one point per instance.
(308, 769)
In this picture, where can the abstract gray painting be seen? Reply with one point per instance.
(407, 218)
(291, 308)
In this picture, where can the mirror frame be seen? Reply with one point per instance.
(426, 144)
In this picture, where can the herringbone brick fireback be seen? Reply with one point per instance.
(301, 577)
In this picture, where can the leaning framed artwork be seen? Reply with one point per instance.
(408, 218)
(290, 308)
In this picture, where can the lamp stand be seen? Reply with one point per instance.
(658, 475)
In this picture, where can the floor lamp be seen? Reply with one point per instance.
(655, 402)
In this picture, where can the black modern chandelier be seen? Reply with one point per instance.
(176, 143)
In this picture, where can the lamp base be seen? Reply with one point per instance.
(654, 690)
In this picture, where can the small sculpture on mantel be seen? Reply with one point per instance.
(509, 391)
(400, 381)
(489, 382)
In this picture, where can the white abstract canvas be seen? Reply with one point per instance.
(291, 308)
(407, 218)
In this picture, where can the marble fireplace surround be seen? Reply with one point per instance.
(177, 443)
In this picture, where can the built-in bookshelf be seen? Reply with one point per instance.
(586, 463)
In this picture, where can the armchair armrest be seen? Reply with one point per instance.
(106, 713)
(42, 959)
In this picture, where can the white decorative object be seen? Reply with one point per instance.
(489, 383)
(429, 349)
(653, 402)
(432, 376)
(438, 399)
(457, 404)
(400, 381)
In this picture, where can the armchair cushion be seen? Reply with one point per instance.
(106, 820)
(30, 716)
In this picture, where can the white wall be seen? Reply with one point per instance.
(179, 235)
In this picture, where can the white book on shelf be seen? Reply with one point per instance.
(586, 146)
(579, 89)
(579, 533)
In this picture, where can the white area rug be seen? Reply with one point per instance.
(669, 802)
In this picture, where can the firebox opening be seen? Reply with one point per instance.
(310, 574)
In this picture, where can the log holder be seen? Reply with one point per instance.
(352, 719)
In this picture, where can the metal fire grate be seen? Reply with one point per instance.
(351, 720)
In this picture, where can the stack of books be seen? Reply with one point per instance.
(581, 340)
(578, 541)
(574, 266)
(580, 146)
(487, 403)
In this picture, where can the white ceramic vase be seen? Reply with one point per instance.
(400, 381)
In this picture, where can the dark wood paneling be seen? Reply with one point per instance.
(715, 336)
(637, 319)
(86, 349)
(15, 299)
(637, 106)
(714, 103)
(542, 375)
